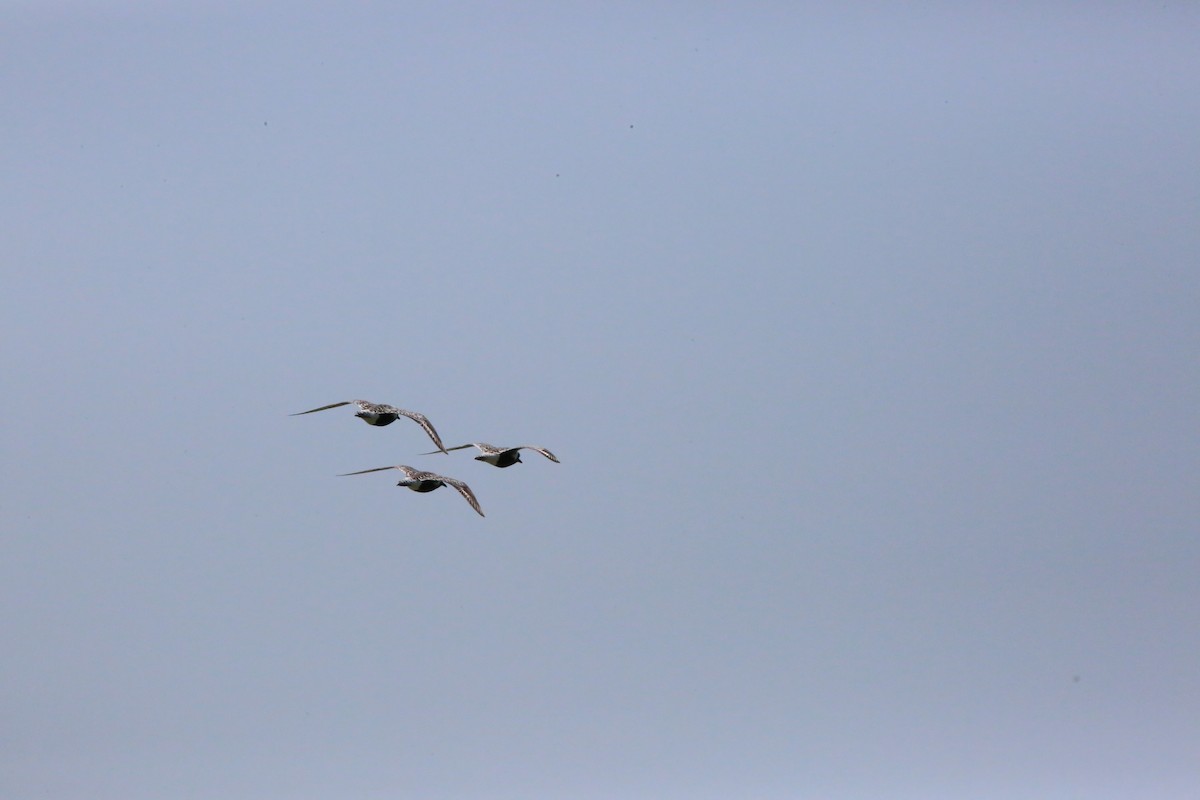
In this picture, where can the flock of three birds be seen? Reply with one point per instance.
(418, 480)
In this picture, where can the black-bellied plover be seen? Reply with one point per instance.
(380, 414)
(499, 456)
(421, 481)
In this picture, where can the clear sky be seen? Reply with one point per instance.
(868, 338)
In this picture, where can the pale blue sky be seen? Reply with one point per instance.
(868, 340)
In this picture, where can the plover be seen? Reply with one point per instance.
(499, 456)
(421, 481)
(380, 414)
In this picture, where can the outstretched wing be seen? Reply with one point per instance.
(464, 490)
(408, 471)
(448, 449)
(324, 408)
(541, 450)
(425, 424)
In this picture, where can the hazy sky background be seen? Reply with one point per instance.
(869, 339)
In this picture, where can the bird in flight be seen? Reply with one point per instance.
(499, 456)
(421, 481)
(380, 414)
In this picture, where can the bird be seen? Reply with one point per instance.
(380, 414)
(499, 456)
(421, 481)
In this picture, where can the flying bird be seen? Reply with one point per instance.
(380, 414)
(421, 481)
(499, 456)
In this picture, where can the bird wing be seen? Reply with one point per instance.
(448, 449)
(425, 424)
(464, 490)
(541, 450)
(324, 408)
(404, 469)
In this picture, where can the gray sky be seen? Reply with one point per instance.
(868, 340)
